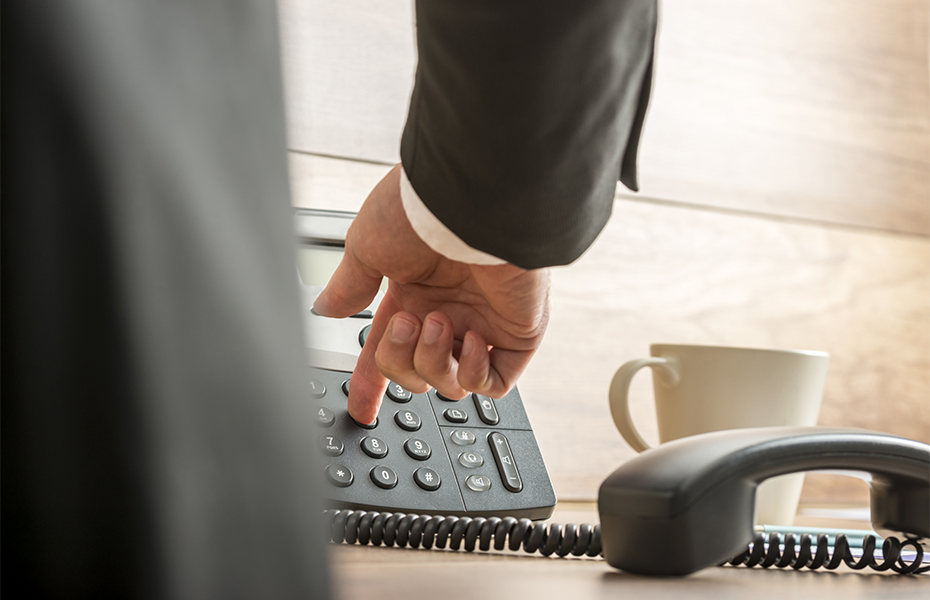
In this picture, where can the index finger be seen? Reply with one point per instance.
(368, 384)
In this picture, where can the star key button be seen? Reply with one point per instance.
(339, 475)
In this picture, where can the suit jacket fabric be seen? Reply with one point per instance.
(523, 115)
(157, 440)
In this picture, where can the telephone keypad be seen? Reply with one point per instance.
(445, 468)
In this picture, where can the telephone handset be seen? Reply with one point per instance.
(425, 454)
(688, 504)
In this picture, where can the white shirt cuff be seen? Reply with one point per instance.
(436, 235)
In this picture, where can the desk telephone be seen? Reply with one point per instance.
(434, 472)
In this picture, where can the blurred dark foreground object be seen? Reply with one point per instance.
(153, 437)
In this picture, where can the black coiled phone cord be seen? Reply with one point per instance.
(469, 533)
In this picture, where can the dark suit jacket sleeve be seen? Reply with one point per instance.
(523, 116)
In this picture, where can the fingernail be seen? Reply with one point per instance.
(467, 346)
(401, 330)
(432, 330)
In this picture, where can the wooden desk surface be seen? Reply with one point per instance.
(363, 573)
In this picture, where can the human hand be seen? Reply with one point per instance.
(456, 327)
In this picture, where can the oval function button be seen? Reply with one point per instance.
(503, 456)
(339, 475)
(407, 419)
(332, 445)
(478, 483)
(398, 394)
(325, 417)
(470, 460)
(455, 415)
(417, 449)
(462, 437)
(374, 447)
(384, 477)
(317, 389)
(486, 409)
(427, 479)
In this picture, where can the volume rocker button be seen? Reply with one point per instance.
(503, 456)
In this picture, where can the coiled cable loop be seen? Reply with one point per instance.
(799, 553)
(468, 533)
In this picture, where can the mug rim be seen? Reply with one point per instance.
(793, 352)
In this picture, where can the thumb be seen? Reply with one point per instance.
(350, 290)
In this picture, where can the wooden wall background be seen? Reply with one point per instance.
(786, 203)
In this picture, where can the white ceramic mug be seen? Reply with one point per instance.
(708, 388)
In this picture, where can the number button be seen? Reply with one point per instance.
(339, 475)
(332, 445)
(374, 447)
(345, 387)
(317, 389)
(427, 479)
(417, 449)
(325, 417)
(383, 477)
(478, 483)
(398, 394)
(455, 415)
(470, 460)
(463, 437)
(407, 419)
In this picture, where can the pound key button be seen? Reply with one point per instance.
(427, 479)
(325, 417)
(503, 456)
(339, 475)
(455, 415)
(486, 409)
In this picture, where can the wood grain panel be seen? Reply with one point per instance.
(670, 274)
(815, 110)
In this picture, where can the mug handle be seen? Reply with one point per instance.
(619, 395)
